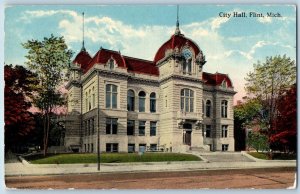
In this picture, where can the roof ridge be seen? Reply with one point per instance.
(138, 59)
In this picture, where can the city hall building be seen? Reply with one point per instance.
(127, 104)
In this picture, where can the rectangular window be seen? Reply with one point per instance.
(92, 147)
(88, 127)
(112, 147)
(152, 105)
(141, 104)
(131, 148)
(111, 126)
(88, 147)
(208, 131)
(142, 128)
(153, 147)
(130, 127)
(152, 128)
(114, 100)
(224, 131)
(224, 147)
(83, 128)
(142, 148)
(94, 104)
(182, 103)
(92, 126)
(108, 105)
(84, 147)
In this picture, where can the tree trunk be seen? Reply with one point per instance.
(45, 131)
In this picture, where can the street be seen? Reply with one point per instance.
(267, 178)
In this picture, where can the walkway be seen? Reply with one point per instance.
(210, 162)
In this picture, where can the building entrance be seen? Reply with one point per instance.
(187, 134)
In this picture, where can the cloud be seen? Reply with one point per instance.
(143, 41)
(265, 20)
(217, 22)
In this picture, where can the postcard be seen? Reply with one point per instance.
(150, 96)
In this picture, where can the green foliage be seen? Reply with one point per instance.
(270, 77)
(113, 158)
(49, 59)
(258, 141)
(276, 156)
(246, 112)
(265, 84)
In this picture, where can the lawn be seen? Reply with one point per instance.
(276, 156)
(110, 158)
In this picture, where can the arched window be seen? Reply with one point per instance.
(152, 102)
(111, 64)
(86, 102)
(130, 100)
(224, 84)
(208, 108)
(187, 100)
(187, 63)
(93, 97)
(142, 98)
(90, 101)
(224, 109)
(111, 96)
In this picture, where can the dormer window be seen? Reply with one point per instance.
(224, 84)
(111, 64)
(187, 62)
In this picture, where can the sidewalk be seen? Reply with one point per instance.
(17, 168)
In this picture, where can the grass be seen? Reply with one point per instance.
(276, 156)
(110, 158)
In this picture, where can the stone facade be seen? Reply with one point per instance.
(174, 107)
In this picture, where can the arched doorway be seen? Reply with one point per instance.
(187, 134)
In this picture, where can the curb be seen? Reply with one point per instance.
(245, 153)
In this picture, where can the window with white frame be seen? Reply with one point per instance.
(187, 100)
(224, 131)
(111, 96)
(224, 108)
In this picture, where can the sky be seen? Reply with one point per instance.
(231, 45)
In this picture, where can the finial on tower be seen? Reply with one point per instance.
(83, 48)
(177, 31)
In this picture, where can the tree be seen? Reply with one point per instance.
(49, 59)
(266, 84)
(18, 93)
(245, 113)
(285, 127)
(258, 141)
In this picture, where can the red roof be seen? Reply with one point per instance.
(216, 79)
(103, 55)
(82, 58)
(175, 41)
(141, 66)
